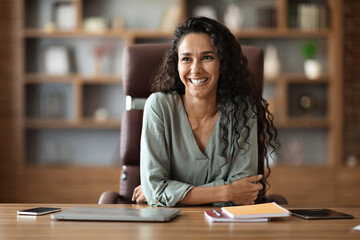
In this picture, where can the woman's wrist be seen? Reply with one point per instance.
(226, 193)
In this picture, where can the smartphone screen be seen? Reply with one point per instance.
(38, 211)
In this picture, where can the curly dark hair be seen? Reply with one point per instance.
(236, 85)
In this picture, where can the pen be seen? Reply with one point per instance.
(217, 213)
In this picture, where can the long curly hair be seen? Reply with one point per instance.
(236, 85)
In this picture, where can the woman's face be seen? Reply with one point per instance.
(198, 65)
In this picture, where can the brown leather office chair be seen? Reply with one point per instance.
(140, 63)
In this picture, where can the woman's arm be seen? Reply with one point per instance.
(240, 192)
(237, 188)
(243, 191)
(155, 166)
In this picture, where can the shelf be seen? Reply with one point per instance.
(301, 78)
(280, 33)
(298, 78)
(72, 78)
(303, 122)
(39, 33)
(136, 33)
(147, 33)
(68, 124)
(102, 79)
(44, 78)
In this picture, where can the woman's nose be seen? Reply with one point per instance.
(196, 67)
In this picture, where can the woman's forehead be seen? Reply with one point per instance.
(196, 42)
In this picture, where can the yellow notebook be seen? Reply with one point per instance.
(263, 210)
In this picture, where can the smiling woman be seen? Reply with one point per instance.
(200, 141)
(198, 68)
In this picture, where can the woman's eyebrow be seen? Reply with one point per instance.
(202, 53)
(185, 54)
(208, 52)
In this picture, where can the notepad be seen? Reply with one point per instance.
(211, 216)
(263, 210)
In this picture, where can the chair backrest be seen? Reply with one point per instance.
(140, 63)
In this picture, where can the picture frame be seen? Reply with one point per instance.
(56, 60)
(64, 15)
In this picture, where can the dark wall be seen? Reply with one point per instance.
(351, 109)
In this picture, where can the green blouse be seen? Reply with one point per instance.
(171, 161)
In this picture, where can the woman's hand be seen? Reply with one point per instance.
(245, 191)
(138, 196)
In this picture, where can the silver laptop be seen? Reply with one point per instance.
(117, 214)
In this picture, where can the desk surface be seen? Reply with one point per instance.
(190, 224)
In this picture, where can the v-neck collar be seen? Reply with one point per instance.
(201, 155)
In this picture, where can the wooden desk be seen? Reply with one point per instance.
(190, 224)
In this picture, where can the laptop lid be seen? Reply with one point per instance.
(117, 214)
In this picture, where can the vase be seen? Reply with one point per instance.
(312, 69)
(272, 64)
(233, 17)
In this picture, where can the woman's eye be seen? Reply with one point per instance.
(185, 59)
(208, 58)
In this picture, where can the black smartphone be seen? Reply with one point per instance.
(319, 214)
(38, 211)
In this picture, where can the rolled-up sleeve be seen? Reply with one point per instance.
(155, 164)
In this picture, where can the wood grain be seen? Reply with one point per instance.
(190, 224)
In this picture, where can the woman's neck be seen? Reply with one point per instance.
(199, 109)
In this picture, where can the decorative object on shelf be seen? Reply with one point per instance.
(64, 15)
(56, 60)
(307, 104)
(351, 161)
(312, 67)
(118, 24)
(99, 53)
(51, 105)
(101, 114)
(233, 17)
(292, 151)
(272, 64)
(50, 27)
(266, 17)
(95, 25)
(205, 11)
(171, 19)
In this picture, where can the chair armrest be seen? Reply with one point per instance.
(109, 197)
(279, 199)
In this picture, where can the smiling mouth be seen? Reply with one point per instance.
(198, 81)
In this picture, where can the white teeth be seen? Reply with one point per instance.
(198, 81)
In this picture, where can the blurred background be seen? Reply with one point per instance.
(61, 96)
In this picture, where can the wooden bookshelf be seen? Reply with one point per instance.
(83, 87)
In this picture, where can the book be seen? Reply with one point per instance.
(263, 210)
(218, 216)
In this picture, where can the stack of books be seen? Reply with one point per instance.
(308, 16)
(249, 213)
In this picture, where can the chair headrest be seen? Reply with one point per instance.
(141, 61)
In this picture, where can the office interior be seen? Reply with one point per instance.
(61, 97)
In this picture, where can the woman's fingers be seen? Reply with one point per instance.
(138, 195)
(136, 192)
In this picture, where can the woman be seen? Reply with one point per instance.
(200, 141)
